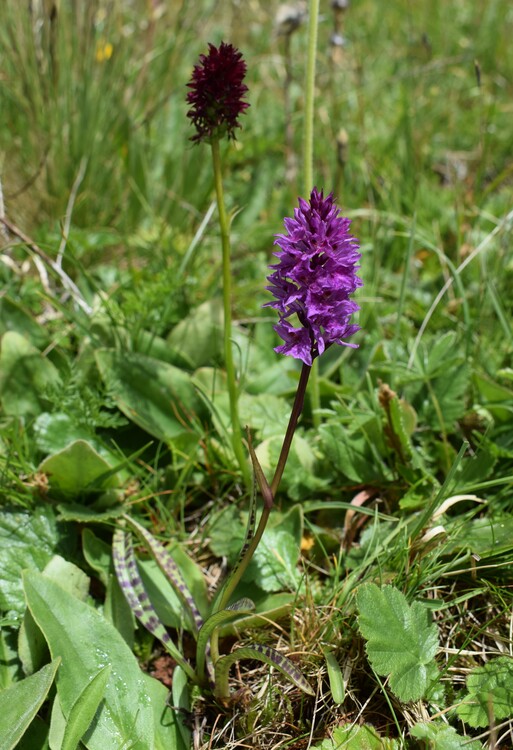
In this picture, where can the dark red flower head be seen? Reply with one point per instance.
(216, 93)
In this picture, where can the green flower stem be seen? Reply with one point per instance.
(313, 22)
(291, 428)
(224, 224)
(266, 512)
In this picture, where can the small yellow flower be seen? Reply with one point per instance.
(104, 50)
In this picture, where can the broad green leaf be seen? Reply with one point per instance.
(86, 643)
(199, 336)
(10, 667)
(27, 540)
(25, 376)
(21, 702)
(118, 612)
(181, 704)
(441, 736)
(77, 470)
(157, 396)
(53, 432)
(14, 317)
(401, 640)
(490, 693)
(57, 725)
(116, 608)
(97, 554)
(484, 536)
(355, 737)
(32, 645)
(167, 723)
(85, 707)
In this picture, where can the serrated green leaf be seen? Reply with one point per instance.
(401, 640)
(441, 736)
(490, 693)
(20, 702)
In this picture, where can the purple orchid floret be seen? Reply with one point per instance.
(314, 278)
(216, 93)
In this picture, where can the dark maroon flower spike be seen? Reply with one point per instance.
(216, 95)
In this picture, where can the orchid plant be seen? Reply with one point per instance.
(312, 284)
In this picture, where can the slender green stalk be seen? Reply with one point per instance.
(224, 225)
(291, 427)
(266, 512)
(308, 179)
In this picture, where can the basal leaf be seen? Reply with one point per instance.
(25, 376)
(20, 702)
(83, 710)
(490, 693)
(401, 640)
(199, 336)
(167, 722)
(86, 643)
(78, 469)
(157, 396)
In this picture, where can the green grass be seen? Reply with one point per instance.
(98, 175)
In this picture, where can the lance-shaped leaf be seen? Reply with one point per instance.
(264, 654)
(170, 569)
(235, 610)
(125, 565)
(401, 639)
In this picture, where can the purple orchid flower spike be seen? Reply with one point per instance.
(314, 279)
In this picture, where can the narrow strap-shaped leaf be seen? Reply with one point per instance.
(260, 477)
(170, 569)
(265, 654)
(125, 565)
(238, 608)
